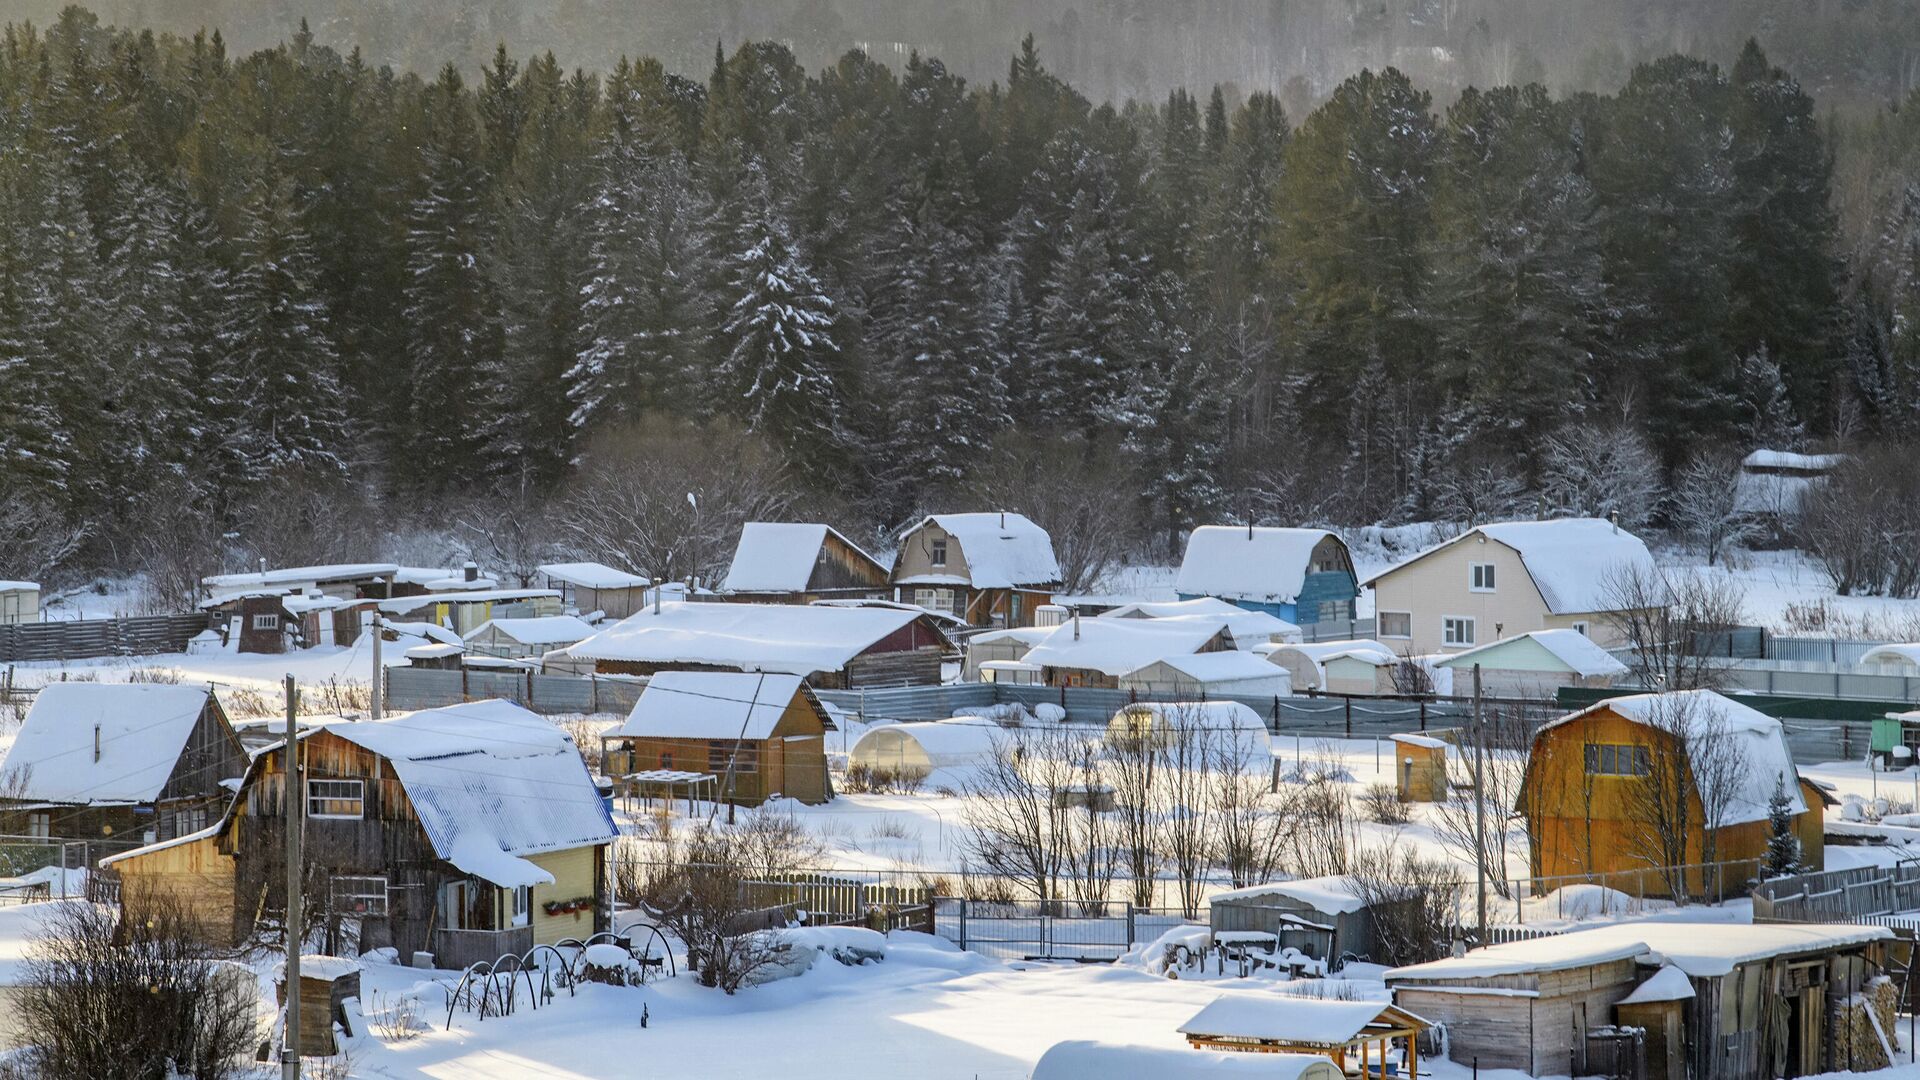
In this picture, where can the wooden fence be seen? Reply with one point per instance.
(1839, 895)
(89, 638)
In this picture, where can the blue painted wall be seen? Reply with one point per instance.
(1331, 587)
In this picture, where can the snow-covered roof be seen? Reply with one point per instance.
(999, 550)
(1880, 654)
(1786, 459)
(794, 639)
(441, 579)
(779, 556)
(402, 605)
(1334, 895)
(1321, 651)
(1170, 609)
(709, 705)
(1249, 628)
(1085, 1059)
(490, 783)
(1221, 667)
(1212, 715)
(433, 652)
(593, 575)
(1261, 564)
(1285, 1018)
(1667, 984)
(1704, 714)
(102, 742)
(295, 575)
(1571, 647)
(538, 629)
(1569, 559)
(1117, 646)
(1700, 950)
(425, 630)
(1424, 741)
(875, 602)
(19, 586)
(1026, 635)
(946, 743)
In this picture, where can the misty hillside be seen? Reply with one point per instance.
(1841, 50)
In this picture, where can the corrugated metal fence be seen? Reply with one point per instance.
(423, 688)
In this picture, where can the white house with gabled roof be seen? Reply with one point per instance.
(1498, 580)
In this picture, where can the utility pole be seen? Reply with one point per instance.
(1479, 805)
(379, 708)
(290, 1050)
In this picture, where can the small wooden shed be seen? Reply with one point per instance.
(1658, 1008)
(326, 982)
(1321, 917)
(763, 735)
(19, 602)
(1361, 1033)
(1420, 768)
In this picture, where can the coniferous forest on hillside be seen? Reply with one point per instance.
(255, 302)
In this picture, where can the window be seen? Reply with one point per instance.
(266, 622)
(39, 824)
(934, 599)
(1455, 630)
(1608, 759)
(938, 553)
(336, 798)
(522, 904)
(187, 822)
(666, 760)
(1396, 624)
(745, 756)
(1480, 577)
(366, 896)
(1581, 627)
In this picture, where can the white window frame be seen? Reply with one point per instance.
(1580, 627)
(1473, 577)
(1381, 626)
(522, 906)
(937, 553)
(40, 824)
(266, 621)
(359, 796)
(1452, 641)
(369, 888)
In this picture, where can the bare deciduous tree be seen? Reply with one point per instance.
(1069, 487)
(1706, 507)
(700, 892)
(1414, 903)
(1674, 626)
(512, 534)
(1863, 524)
(36, 540)
(1598, 470)
(1188, 758)
(1016, 811)
(1134, 770)
(1457, 821)
(1686, 784)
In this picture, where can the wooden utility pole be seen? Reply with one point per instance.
(379, 708)
(1480, 805)
(290, 1050)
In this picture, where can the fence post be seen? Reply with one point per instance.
(1348, 698)
(963, 924)
(1130, 938)
(1423, 714)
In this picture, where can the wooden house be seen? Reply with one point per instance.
(1535, 664)
(587, 587)
(990, 569)
(791, 562)
(1321, 917)
(1763, 999)
(758, 735)
(19, 602)
(1000, 646)
(526, 638)
(1508, 578)
(468, 832)
(1352, 1034)
(1588, 796)
(1098, 652)
(1299, 575)
(119, 761)
(830, 646)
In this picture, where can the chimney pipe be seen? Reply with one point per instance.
(1614, 516)
(659, 586)
(471, 571)
(1076, 623)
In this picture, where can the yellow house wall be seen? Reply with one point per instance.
(196, 874)
(573, 877)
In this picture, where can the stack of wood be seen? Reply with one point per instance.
(1863, 1028)
(326, 982)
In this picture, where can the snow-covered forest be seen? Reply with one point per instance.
(292, 291)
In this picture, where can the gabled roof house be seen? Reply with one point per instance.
(991, 569)
(1300, 575)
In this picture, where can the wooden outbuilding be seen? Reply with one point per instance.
(990, 569)
(831, 646)
(1098, 652)
(1420, 768)
(796, 562)
(587, 587)
(121, 761)
(1082, 1059)
(1323, 918)
(1657, 1007)
(1358, 1034)
(1536, 664)
(1600, 783)
(1300, 575)
(19, 602)
(526, 638)
(761, 735)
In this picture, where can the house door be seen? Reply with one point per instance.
(1806, 1018)
(456, 906)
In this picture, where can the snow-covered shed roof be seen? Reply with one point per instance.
(948, 618)
(709, 705)
(1266, 565)
(1667, 984)
(779, 556)
(19, 586)
(490, 783)
(1703, 715)
(1569, 559)
(1212, 715)
(1086, 1059)
(1171, 609)
(402, 605)
(442, 579)
(1892, 653)
(1288, 1019)
(1319, 652)
(1786, 459)
(1000, 550)
(1333, 895)
(1249, 628)
(102, 742)
(1221, 667)
(1117, 646)
(795, 639)
(1026, 635)
(538, 629)
(593, 575)
(433, 652)
(1571, 647)
(295, 575)
(1700, 950)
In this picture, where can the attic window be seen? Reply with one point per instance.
(1606, 759)
(939, 553)
(336, 799)
(1481, 577)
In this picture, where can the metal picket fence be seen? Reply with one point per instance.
(1061, 930)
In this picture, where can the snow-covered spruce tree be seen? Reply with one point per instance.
(780, 374)
(1783, 846)
(1083, 354)
(155, 330)
(278, 370)
(69, 340)
(456, 345)
(33, 457)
